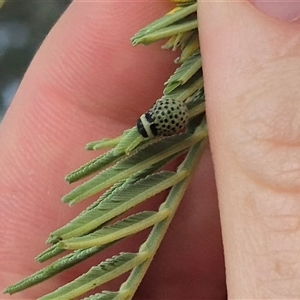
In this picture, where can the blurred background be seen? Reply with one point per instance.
(23, 26)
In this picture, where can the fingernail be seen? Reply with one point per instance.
(284, 10)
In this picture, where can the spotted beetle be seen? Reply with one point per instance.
(164, 118)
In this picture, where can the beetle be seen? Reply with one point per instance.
(166, 117)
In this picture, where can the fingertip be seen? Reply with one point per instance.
(283, 10)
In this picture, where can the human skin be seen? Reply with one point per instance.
(87, 82)
(252, 87)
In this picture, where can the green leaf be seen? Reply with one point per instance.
(97, 164)
(98, 275)
(112, 192)
(166, 32)
(56, 267)
(190, 48)
(133, 136)
(105, 295)
(119, 201)
(173, 16)
(188, 89)
(184, 73)
(107, 143)
(180, 40)
(107, 234)
(103, 144)
(49, 253)
(173, 42)
(196, 104)
(131, 165)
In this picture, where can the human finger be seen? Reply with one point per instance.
(251, 72)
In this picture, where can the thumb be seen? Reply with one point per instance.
(251, 71)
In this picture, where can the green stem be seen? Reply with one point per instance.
(172, 202)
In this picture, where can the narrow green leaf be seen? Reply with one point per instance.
(188, 89)
(103, 144)
(171, 43)
(97, 164)
(132, 136)
(56, 267)
(179, 40)
(170, 18)
(134, 178)
(131, 165)
(184, 73)
(120, 201)
(198, 95)
(190, 48)
(187, 38)
(107, 143)
(196, 106)
(139, 141)
(126, 227)
(118, 187)
(166, 32)
(49, 253)
(96, 276)
(105, 295)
